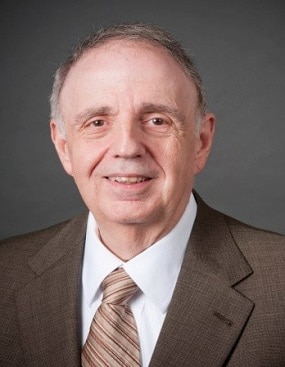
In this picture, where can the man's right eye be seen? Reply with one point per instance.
(98, 123)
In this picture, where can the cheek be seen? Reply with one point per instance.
(180, 155)
(178, 165)
(83, 160)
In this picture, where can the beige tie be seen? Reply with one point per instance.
(113, 339)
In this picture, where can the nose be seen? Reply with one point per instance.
(128, 141)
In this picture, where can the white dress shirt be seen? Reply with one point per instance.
(155, 271)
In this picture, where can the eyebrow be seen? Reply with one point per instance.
(87, 114)
(161, 108)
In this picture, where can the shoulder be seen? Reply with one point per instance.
(263, 250)
(17, 252)
(246, 235)
(25, 245)
(256, 242)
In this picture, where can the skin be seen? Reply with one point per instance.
(130, 142)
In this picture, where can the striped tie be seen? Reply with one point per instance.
(113, 339)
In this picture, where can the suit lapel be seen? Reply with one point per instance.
(206, 315)
(48, 307)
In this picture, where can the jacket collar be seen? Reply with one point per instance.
(206, 315)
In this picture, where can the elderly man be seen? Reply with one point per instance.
(152, 276)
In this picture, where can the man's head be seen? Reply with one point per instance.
(130, 138)
(137, 32)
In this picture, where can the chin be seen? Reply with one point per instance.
(129, 219)
(128, 213)
(132, 217)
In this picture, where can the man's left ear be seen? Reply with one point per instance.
(61, 146)
(203, 141)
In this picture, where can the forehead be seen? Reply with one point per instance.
(126, 65)
(118, 55)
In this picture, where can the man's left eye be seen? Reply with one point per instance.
(157, 121)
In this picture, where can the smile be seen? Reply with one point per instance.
(128, 180)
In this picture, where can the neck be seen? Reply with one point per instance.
(128, 240)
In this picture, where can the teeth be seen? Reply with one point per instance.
(128, 180)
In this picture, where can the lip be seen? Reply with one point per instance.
(128, 181)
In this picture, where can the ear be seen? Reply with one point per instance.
(203, 141)
(61, 146)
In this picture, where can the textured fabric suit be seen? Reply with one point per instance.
(228, 307)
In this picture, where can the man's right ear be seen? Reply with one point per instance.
(61, 146)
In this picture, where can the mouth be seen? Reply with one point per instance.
(128, 180)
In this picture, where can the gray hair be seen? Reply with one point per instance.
(138, 32)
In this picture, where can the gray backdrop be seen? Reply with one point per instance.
(239, 47)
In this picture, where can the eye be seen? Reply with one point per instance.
(96, 126)
(98, 123)
(157, 121)
(158, 124)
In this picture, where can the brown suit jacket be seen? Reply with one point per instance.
(228, 308)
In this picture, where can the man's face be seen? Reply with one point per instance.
(130, 113)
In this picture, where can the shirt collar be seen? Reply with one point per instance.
(161, 262)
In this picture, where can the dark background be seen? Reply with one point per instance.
(239, 47)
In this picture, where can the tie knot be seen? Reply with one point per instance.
(118, 287)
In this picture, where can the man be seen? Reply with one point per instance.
(130, 125)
